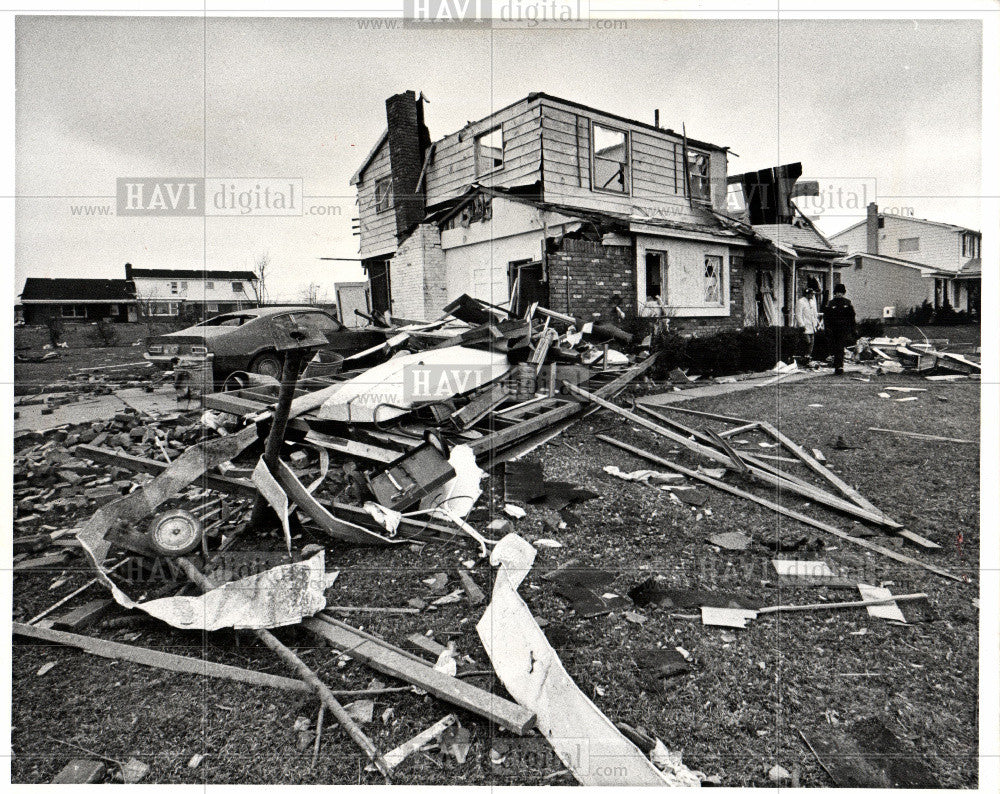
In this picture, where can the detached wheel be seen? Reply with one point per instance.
(175, 533)
(269, 364)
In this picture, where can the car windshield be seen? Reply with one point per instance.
(228, 319)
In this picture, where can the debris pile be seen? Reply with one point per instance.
(240, 504)
(902, 354)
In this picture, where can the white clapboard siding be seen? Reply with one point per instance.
(378, 229)
(655, 160)
(454, 165)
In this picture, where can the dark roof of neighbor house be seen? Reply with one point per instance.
(535, 95)
(194, 275)
(77, 290)
(971, 269)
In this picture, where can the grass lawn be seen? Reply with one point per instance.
(736, 713)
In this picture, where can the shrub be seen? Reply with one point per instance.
(871, 328)
(920, 315)
(728, 352)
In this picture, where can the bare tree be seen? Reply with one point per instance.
(260, 268)
(311, 294)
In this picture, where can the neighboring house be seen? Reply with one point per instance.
(585, 212)
(899, 262)
(77, 300)
(166, 293)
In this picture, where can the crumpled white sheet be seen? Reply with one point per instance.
(643, 475)
(280, 596)
(585, 740)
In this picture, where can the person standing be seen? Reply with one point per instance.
(807, 318)
(839, 322)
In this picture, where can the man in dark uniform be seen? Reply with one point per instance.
(838, 320)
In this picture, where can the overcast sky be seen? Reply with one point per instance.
(896, 102)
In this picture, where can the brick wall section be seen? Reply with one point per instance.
(584, 275)
(418, 276)
(405, 160)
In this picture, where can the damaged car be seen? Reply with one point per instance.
(244, 341)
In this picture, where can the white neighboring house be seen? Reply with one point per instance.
(165, 292)
(900, 261)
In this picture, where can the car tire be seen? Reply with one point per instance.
(269, 364)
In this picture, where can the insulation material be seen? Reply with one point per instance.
(281, 596)
(404, 382)
(460, 493)
(585, 740)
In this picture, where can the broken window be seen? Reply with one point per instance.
(611, 166)
(237, 286)
(383, 194)
(909, 244)
(698, 178)
(656, 270)
(713, 280)
(489, 151)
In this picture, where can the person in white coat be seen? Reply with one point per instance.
(807, 318)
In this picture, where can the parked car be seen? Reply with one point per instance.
(244, 340)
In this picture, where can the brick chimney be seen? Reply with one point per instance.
(872, 227)
(128, 271)
(408, 143)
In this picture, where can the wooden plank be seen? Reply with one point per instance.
(922, 436)
(84, 615)
(778, 508)
(352, 449)
(453, 690)
(480, 405)
(426, 644)
(781, 482)
(399, 754)
(160, 659)
(472, 590)
(819, 468)
(150, 466)
(733, 420)
(518, 432)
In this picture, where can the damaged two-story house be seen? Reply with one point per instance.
(585, 212)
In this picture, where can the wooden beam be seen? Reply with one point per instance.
(819, 468)
(781, 482)
(922, 436)
(778, 508)
(509, 435)
(149, 466)
(352, 449)
(453, 690)
(732, 420)
(160, 659)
